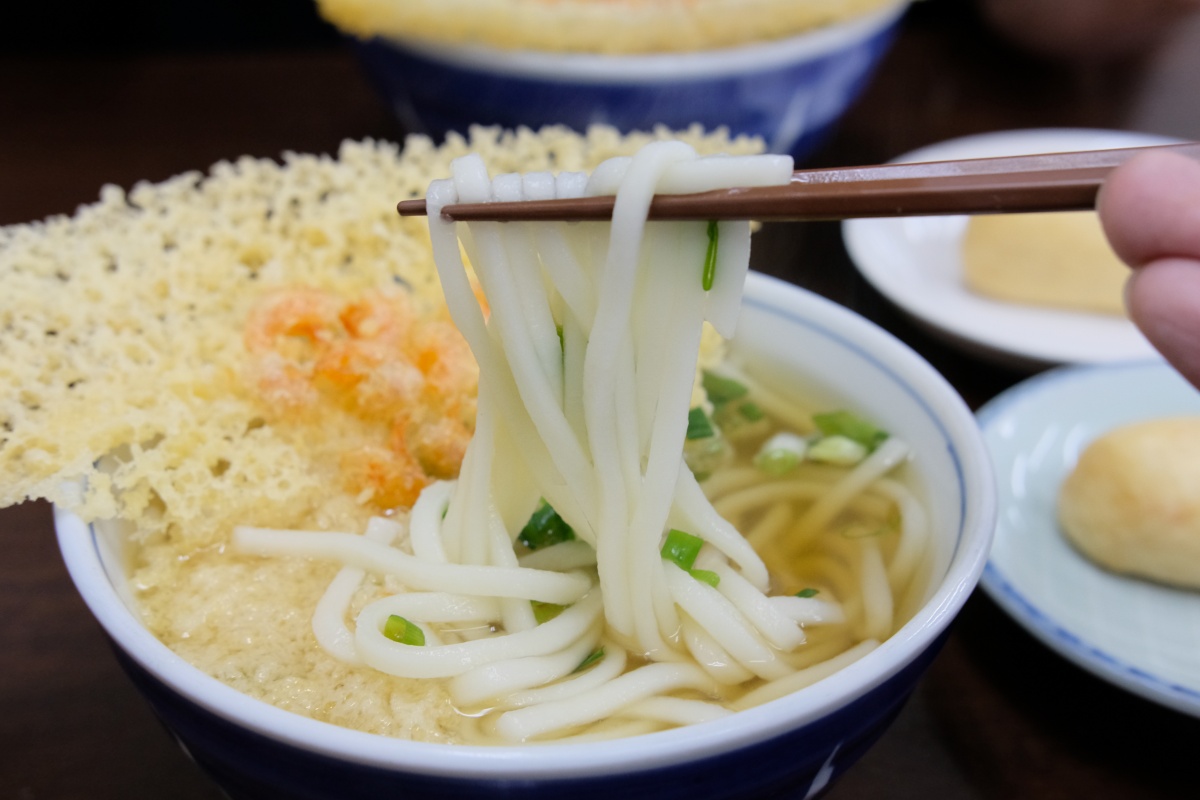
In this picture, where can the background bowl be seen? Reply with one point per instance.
(789, 92)
(797, 744)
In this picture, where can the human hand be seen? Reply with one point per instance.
(1150, 209)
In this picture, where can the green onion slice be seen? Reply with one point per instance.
(750, 411)
(838, 450)
(545, 527)
(682, 548)
(699, 425)
(780, 454)
(592, 658)
(544, 612)
(808, 591)
(721, 389)
(710, 257)
(705, 576)
(398, 629)
(850, 425)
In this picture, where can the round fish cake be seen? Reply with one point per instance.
(1132, 502)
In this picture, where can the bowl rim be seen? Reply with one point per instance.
(619, 756)
(656, 67)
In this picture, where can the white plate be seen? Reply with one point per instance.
(1141, 636)
(915, 262)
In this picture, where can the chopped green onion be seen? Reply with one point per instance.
(777, 463)
(721, 389)
(710, 257)
(808, 591)
(398, 629)
(545, 527)
(544, 612)
(841, 451)
(706, 456)
(781, 454)
(592, 658)
(750, 411)
(740, 421)
(705, 576)
(699, 425)
(682, 548)
(851, 426)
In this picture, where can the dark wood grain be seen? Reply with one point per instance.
(998, 716)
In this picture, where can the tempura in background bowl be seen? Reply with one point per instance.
(782, 70)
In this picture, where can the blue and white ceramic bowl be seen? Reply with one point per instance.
(791, 747)
(789, 92)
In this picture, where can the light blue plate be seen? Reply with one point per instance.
(1138, 635)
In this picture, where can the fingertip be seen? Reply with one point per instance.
(1150, 208)
(1163, 299)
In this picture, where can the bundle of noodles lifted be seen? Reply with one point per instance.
(576, 580)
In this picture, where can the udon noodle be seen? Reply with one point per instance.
(669, 600)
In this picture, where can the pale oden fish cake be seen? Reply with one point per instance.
(1131, 503)
(1058, 260)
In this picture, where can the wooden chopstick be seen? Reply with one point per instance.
(1045, 182)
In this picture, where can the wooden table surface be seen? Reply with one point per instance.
(997, 716)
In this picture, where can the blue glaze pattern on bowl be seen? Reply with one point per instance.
(801, 763)
(789, 92)
(792, 747)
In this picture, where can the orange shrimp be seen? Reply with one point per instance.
(293, 322)
(374, 329)
(442, 355)
(380, 360)
(383, 475)
(380, 316)
(285, 332)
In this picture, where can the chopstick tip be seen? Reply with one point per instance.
(411, 208)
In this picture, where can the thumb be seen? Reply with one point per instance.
(1163, 298)
(1150, 209)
